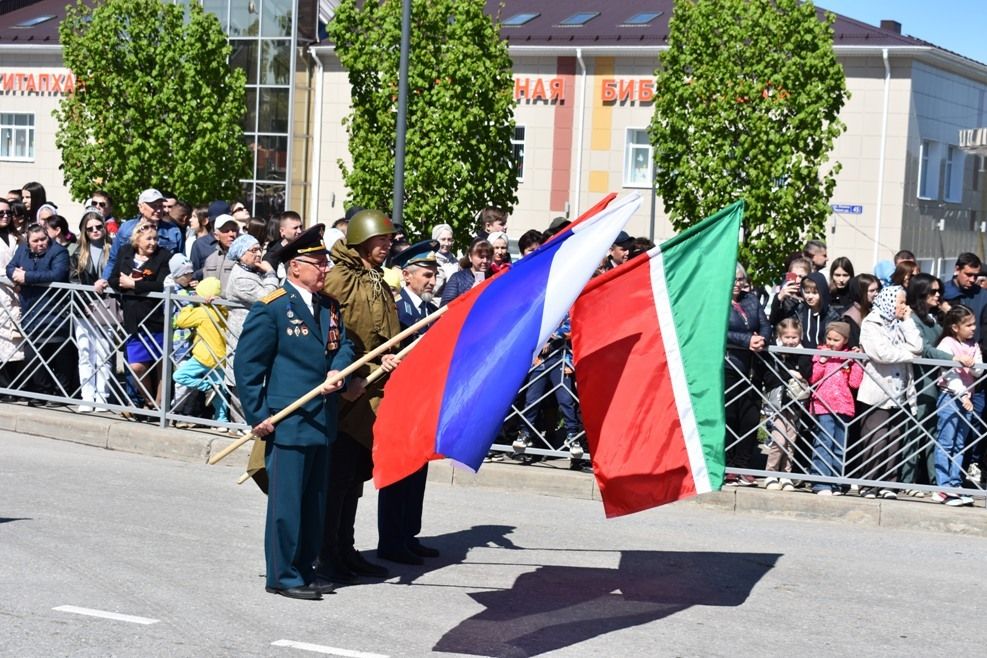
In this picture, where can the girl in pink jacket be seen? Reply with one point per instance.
(834, 379)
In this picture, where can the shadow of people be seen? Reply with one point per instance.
(555, 607)
(453, 548)
(5, 519)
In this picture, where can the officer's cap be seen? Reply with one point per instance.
(309, 243)
(421, 254)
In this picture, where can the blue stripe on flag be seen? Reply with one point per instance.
(492, 356)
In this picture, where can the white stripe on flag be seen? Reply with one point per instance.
(676, 372)
(328, 651)
(578, 257)
(90, 612)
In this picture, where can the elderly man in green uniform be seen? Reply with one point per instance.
(371, 318)
(292, 341)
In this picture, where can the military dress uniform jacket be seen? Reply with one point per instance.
(281, 355)
(409, 313)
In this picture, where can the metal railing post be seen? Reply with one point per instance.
(166, 351)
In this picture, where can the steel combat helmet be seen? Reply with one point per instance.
(368, 224)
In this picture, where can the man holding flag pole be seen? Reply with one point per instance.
(294, 340)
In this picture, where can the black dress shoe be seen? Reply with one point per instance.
(304, 592)
(322, 586)
(421, 550)
(358, 564)
(336, 573)
(400, 555)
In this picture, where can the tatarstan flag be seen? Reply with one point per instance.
(648, 340)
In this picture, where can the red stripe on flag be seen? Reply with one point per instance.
(626, 397)
(408, 415)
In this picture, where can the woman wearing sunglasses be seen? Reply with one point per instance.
(99, 316)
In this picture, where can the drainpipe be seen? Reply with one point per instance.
(580, 126)
(316, 165)
(884, 142)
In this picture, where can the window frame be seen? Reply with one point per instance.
(953, 183)
(519, 162)
(630, 147)
(929, 161)
(30, 130)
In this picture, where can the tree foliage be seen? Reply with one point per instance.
(156, 104)
(460, 110)
(746, 106)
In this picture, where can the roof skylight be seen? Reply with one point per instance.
(520, 19)
(579, 19)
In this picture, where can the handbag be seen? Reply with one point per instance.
(105, 311)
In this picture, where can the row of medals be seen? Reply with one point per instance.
(298, 328)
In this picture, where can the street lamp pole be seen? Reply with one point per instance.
(402, 118)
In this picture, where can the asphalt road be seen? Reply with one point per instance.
(176, 548)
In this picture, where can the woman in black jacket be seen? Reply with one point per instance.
(747, 335)
(140, 268)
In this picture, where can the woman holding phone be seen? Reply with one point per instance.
(475, 267)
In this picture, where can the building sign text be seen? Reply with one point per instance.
(37, 83)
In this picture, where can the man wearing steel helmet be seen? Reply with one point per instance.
(370, 317)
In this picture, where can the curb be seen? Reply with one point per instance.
(548, 478)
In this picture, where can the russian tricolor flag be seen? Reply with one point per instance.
(450, 396)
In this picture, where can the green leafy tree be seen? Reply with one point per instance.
(746, 106)
(460, 110)
(157, 103)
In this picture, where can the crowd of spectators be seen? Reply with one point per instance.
(857, 406)
(829, 415)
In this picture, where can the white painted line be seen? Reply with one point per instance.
(329, 651)
(105, 615)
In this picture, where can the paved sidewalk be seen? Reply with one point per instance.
(550, 478)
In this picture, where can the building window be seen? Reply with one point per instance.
(930, 158)
(517, 146)
(638, 160)
(955, 159)
(16, 136)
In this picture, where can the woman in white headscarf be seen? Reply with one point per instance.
(251, 278)
(448, 263)
(892, 341)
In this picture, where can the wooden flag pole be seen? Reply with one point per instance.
(374, 376)
(343, 374)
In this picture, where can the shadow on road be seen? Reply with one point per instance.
(454, 546)
(4, 519)
(555, 607)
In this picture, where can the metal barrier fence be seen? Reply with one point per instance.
(896, 445)
(70, 346)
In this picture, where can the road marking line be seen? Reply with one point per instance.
(105, 615)
(331, 651)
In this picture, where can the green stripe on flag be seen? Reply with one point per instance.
(700, 266)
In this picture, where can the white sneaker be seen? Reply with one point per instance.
(787, 485)
(772, 484)
(939, 497)
(576, 451)
(974, 473)
(824, 492)
(82, 409)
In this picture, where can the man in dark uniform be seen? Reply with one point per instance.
(399, 506)
(292, 341)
